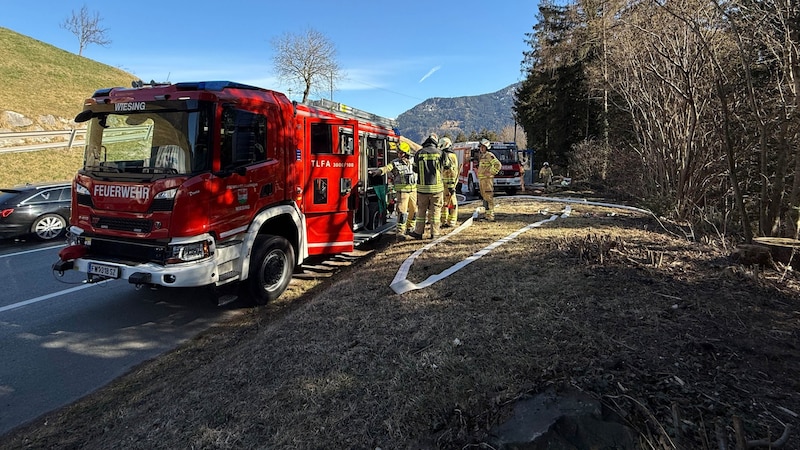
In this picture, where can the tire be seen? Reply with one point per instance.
(378, 220)
(473, 188)
(511, 191)
(373, 217)
(48, 226)
(271, 267)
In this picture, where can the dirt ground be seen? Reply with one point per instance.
(679, 343)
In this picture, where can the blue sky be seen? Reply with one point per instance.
(395, 54)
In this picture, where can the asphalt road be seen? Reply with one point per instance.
(61, 339)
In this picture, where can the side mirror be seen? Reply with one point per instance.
(84, 115)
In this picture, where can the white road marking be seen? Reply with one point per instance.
(30, 251)
(49, 296)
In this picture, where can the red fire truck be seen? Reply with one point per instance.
(508, 179)
(218, 184)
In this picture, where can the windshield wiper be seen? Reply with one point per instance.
(167, 170)
(103, 168)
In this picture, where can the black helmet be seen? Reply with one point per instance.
(433, 139)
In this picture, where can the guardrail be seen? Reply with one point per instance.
(69, 138)
(54, 139)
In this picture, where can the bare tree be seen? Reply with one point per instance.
(86, 27)
(514, 133)
(307, 60)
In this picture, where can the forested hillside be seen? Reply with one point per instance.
(459, 115)
(689, 107)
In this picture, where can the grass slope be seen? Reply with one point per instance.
(40, 79)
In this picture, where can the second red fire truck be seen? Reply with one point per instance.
(219, 183)
(507, 180)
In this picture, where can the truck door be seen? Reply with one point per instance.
(332, 176)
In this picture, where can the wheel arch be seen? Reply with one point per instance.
(285, 221)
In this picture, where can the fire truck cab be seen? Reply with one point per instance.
(507, 180)
(217, 183)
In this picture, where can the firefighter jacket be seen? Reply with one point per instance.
(428, 166)
(450, 170)
(488, 166)
(402, 172)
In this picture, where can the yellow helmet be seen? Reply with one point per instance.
(404, 147)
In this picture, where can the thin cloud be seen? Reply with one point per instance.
(430, 72)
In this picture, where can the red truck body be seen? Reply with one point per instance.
(213, 183)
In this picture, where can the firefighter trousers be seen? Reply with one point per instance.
(487, 193)
(406, 208)
(428, 206)
(449, 209)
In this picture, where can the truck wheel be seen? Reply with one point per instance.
(49, 226)
(271, 267)
(473, 188)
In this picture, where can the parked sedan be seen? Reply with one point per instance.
(39, 209)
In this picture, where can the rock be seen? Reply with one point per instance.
(48, 121)
(14, 119)
(560, 421)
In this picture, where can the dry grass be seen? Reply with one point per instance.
(43, 165)
(610, 305)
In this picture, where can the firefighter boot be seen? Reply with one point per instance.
(401, 223)
(435, 231)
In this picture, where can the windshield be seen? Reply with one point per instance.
(153, 142)
(505, 155)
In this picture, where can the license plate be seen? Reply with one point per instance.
(103, 270)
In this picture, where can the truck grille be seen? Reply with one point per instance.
(125, 251)
(132, 225)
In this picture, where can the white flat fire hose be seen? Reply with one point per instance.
(400, 284)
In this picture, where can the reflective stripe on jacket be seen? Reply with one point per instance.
(450, 175)
(489, 165)
(429, 168)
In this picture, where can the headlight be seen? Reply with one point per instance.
(169, 193)
(188, 252)
(80, 189)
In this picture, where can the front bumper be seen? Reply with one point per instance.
(507, 182)
(191, 274)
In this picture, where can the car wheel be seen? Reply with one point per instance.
(271, 267)
(49, 226)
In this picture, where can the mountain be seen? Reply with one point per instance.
(451, 116)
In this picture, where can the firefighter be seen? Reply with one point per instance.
(450, 172)
(488, 166)
(546, 175)
(428, 166)
(404, 178)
